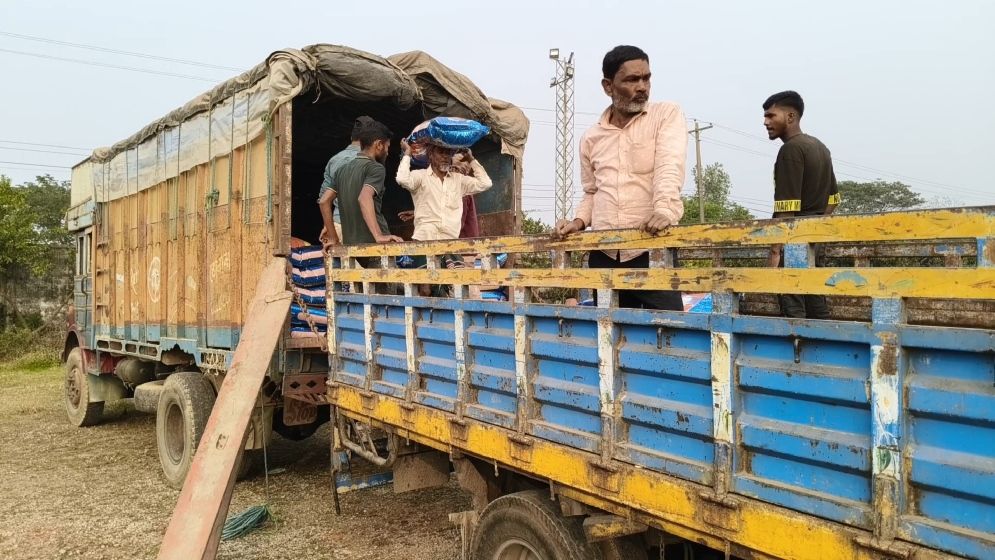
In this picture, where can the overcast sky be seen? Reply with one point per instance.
(899, 90)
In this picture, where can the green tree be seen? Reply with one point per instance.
(534, 226)
(717, 185)
(876, 196)
(48, 199)
(18, 248)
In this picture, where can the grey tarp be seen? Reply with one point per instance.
(447, 92)
(337, 71)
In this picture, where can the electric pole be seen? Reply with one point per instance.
(563, 81)
(697, 130)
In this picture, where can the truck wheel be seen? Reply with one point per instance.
(81, 411)
(529, 526)
(184, 407)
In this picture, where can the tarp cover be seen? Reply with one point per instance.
(234, 112)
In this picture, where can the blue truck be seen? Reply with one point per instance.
(603, 432)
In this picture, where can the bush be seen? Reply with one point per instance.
(22, 348)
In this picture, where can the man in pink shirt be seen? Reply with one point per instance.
(632, 170)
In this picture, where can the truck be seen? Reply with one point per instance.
(578, 431)
(174, 225)
(591, 432)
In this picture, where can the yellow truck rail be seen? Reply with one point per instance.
(758, 436)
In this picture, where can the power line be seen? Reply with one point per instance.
(37, 165)
(118, 51)
(42, 151)
(51, 171)
(43, 145)
(847, 163)
(553, 111)
(115, 66)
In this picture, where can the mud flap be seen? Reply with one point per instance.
(195, 528)
(105, 388)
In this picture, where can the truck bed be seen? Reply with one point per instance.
(754, 434)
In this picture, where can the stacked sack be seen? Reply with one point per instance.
(308, 276)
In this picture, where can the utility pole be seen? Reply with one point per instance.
(697, 130)
(563, 81)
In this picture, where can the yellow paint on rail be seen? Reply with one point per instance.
(959, 223)
(958, 283)
(664, 501)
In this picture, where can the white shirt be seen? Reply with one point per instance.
(439, 203)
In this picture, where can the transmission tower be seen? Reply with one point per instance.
(564, 84)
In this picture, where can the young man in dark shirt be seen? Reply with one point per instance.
(804, 185)
(359, 190)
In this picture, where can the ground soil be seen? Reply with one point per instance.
(97, 493)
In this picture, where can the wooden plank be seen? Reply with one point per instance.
(957, 223)
(195, 528)
(962, 283)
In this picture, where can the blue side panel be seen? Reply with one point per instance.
(665, 380)
(389, 350)
(803, 421)
(351, 344)
(437, 359)
(490, 365)
(951, 445)
(221, 337)
(565, 385)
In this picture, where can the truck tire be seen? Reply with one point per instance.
(80, 410)
(184, 407)
(528, 525)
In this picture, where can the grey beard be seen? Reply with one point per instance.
(630, 108)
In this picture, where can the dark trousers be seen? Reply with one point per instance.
(803, 307)
(638, 299)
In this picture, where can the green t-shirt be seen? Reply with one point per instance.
(804, 181)
(349, 181)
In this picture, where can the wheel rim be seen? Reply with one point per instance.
(174, 433)
(515, 549)
(74, 391)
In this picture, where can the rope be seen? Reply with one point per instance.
(251, 519)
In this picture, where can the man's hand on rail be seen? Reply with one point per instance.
(564, 228)
(389, 239)
(656, 223)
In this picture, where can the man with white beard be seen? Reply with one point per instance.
(632, 170)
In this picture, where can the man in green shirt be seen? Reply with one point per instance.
(331, 217)
(359, 186)
(804, 185)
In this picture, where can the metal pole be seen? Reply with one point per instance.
(698, 171)
(563, 81)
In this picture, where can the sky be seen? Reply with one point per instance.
(898, 90)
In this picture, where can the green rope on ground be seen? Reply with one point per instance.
(244, 523)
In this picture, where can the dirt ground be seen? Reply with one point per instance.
(97, 493)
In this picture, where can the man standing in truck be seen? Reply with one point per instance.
(632, 170)
(331, 231)
(804, 185)
(359, 186)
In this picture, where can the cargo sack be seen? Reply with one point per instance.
(308, 277)
(450, 132)
(309, 256)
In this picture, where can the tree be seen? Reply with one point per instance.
(35, 247)
(717, 184)
(534, 226)
(48, 199)
(17, 233)
(876, 196)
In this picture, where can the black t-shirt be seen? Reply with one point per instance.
(349, 181)
(804, 181)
